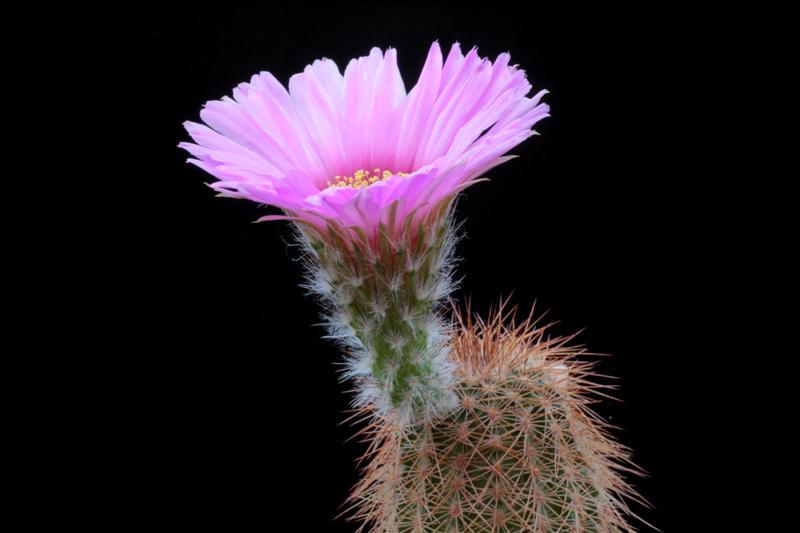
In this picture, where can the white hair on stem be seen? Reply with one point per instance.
(385, 313)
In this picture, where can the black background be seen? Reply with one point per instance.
(240, 415)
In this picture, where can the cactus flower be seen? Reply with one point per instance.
(368, 172)
(344, 148)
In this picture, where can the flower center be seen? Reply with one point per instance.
(363, 178)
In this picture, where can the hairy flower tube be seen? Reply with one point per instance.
(368, 173)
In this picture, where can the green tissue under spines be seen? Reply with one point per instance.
(508, 471)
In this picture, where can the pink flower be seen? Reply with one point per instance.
(344, 148)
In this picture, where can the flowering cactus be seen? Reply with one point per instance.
(474, 428)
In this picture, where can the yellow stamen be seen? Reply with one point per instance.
(362, 178)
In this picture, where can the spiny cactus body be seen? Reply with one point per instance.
(521, 452)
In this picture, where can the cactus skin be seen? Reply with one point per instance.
(382, 295)
(522, 452)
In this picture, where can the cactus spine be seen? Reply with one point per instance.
(521, 452)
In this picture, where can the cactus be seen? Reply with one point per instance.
(521, 452)
(474, 426)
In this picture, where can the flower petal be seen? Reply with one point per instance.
(282, 147)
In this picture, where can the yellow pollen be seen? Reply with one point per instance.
(363, 178)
